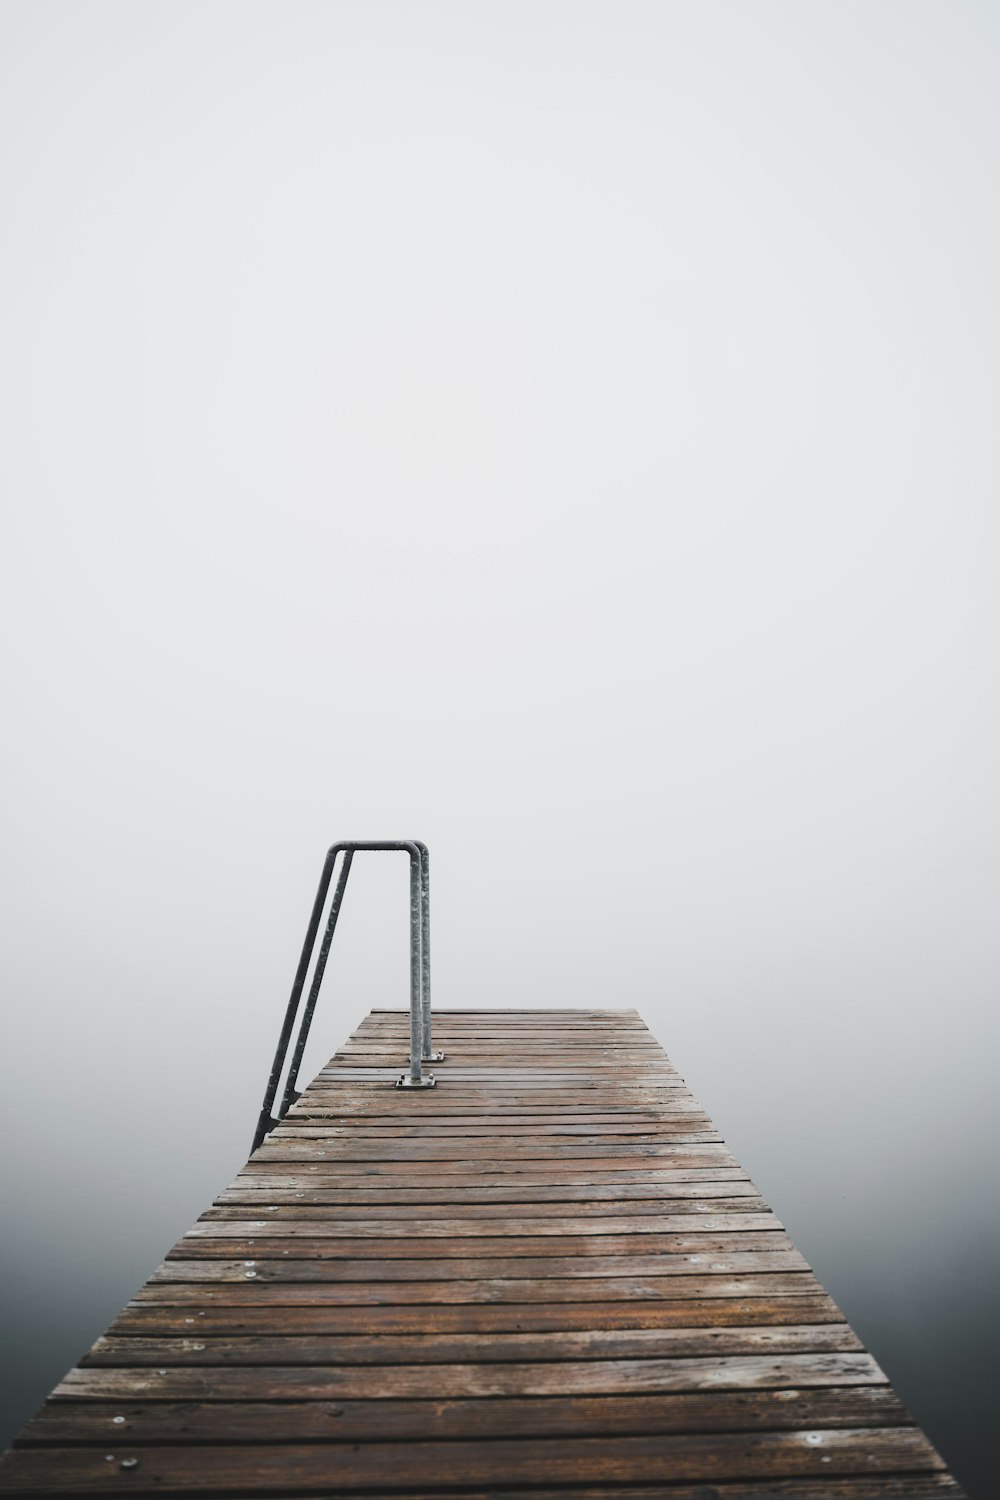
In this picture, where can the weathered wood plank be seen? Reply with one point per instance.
(700, 1312)
(489, 1102)
(459, 1348)
(554, 1165)
(247, 1196)
(71, 1422)
(681, 1125)
(448, 1228)
(257, 1175)
(278, 1282)
(482, 1119)
(693, 1239)
(482, 1174)
(474, 1058)
(521, 1084)
(278, 1347)
(329, 1265)
(292, 1146)
(915, 1486)
(507, 1460)
(489, 1378)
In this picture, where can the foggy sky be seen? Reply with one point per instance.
(564, 432)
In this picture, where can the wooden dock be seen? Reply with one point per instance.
(545, 1277)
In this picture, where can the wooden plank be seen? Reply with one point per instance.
(482, 1174)
(69, 1422)
(250, 1197)
(692, 1312)
(290, 1469)
(403, 1205)
(279, 1348)
(541, 1053)
(448, 1228)
(484, 1118)
(587, 1159)
(519, 1080)
(316, 1129)
(598, 1064)
(534, 1015)
(692, 1237)
(914, 1486)
(606, 1376)
(583, 1023)
(472, 1145)
(258, 1174)
(493, 1214)
(494, 1102)
(521, 1083)
(489, 1204)
(280, 1283)
(326, 1262)
(488, 1236)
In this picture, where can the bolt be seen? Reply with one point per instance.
(161, 1372)
(118, 1421)
(249, 1262)
(129, 1463)
(249, 1275)
(197, 1346)
(814, 1437)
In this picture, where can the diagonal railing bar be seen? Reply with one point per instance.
(420, 975)
(291, 1093)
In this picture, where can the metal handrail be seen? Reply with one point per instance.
(420, 975)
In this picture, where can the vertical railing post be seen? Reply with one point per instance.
(416, 974)
(428, 1054)
(415, 1079)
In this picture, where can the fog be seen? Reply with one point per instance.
(564, 432)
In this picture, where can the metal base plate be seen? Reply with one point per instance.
(431, 1057)
(404, 1081)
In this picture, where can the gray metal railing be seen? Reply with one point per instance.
(420, 975)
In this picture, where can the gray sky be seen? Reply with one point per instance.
(564, 432)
